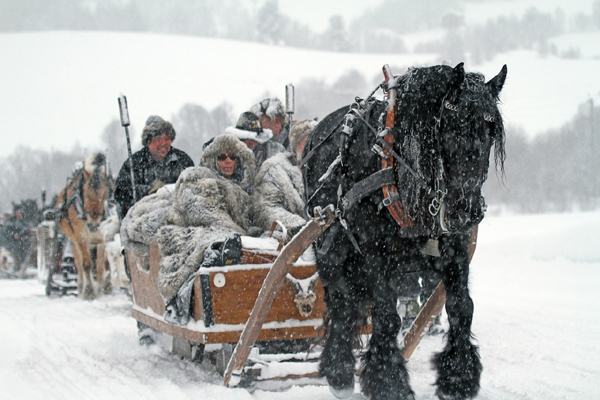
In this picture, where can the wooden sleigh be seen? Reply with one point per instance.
(223, 299)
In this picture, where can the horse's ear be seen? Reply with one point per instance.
(496, 83)
(458, 76)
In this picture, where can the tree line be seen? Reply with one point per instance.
(379, 30)
(556, 171)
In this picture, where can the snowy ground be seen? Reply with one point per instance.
(535, 283)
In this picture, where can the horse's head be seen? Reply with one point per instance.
(448, 121)
(95, 189)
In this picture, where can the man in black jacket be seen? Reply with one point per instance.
(156, 165)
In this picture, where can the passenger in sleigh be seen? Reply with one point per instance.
(278, 193)
(155, 165)
(208, 214)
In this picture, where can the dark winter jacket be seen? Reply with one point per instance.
(283, 138)
(146, 171)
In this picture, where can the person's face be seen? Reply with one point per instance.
(300, 147)
(251, 144)
(227, 163)
(272, 124)
(159, 147)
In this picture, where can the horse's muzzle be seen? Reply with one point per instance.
(93, 226)
(461, 215)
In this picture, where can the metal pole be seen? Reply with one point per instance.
(289, 105)
(125, 123)
(593, 154)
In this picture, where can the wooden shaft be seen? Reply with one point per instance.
(276, 276)
(432, 307)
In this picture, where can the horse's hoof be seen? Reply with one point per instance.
(88, 293)
(449, 396)
(108, 288)
(343, 393)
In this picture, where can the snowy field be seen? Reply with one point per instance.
(535, 281)
(62, 87)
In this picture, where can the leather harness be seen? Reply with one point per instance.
(384, 179)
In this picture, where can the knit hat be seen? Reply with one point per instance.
(301, 130)
(272, 108)
(248, 127)
(155, 129)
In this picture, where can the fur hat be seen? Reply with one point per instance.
(155, 129)
(301, 130)
(244, 176)
(248, 127)
(272, 108)
(152, 119)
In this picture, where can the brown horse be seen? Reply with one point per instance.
(81, 206)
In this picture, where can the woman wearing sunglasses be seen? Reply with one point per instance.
(230, 159)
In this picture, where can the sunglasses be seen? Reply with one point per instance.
(223, 157)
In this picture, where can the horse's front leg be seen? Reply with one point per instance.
(384, 375)
(337, 362)
(103, 269)
(458, 365)
(84, 269)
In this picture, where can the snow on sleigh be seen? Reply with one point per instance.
(223, 298)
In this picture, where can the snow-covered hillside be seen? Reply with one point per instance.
(62, 87)
(534, 281)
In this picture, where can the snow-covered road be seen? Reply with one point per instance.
(535, 282)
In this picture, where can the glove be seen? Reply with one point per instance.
(156, 185)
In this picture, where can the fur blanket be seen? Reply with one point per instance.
(205, 209)
(202, 208)
(278, 194)
(143, 220)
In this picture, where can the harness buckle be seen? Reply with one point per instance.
(377, 149)
(349, 124)
(387, 201)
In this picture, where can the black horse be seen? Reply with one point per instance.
(423, 154)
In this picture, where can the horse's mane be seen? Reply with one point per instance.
(421, 93)
(95, 166)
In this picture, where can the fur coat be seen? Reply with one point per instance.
(278, 194)
(206, 207)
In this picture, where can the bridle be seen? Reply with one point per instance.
(77, 200)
